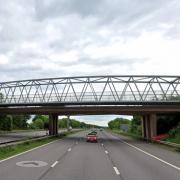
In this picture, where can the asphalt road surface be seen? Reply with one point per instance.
(112, 158)
(19, 135)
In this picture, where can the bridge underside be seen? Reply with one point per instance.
(91, 110)
(147, 112)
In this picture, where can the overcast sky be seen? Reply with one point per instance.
(54, 38)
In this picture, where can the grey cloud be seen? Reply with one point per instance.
(110, 61)
(26, 71)
(78, 23)
(75, 25)
(124, 9)
(18, 68)
(126, 18)
(64, 7)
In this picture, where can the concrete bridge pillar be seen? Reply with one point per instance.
(149, 126)
(53, 124)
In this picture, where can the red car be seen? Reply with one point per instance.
(91, 138)
(160, 137)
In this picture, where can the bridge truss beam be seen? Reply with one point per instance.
(92, 90)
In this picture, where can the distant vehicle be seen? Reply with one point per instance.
(93, 132)
(91, 137)
(101, 129)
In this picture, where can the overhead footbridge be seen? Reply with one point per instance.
(125, 94)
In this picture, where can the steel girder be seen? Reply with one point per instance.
(92, 90)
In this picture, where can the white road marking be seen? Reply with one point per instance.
(106, 152)
(54, 164)
(102, 144)
(28, 151)
(69, 149)
(76, 142)
(151, 155)
(116, 170)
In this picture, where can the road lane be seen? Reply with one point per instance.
(74, 159)
(10, 171)
(159, 151)
(86, 161)
(20, 135)
(135, 165)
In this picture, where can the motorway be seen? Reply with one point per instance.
(112, 158)
(20, 135)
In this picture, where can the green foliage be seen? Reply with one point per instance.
(9, 122)
(8, 151)
(116, 123)
(42, 117)
(135, 127)
(175, 132)
(167, 122)
(74, 124)
(39, 122)
(20, 121)
(1, 97)
(62, 123)
(6, 123)
(42, 122)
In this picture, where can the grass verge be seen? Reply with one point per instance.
(134, 136)
(12, 150)
(177, 141)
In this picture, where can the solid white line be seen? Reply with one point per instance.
(151, 155)
(28, 151)
(116, 170)
(106, 152)
(54, 164)
(69, 149)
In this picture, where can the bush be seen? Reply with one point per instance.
(175, 132)
(6, 123)
(136, 127)
(172, 133)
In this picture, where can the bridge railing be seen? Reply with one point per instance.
(88, 97)
(96, 89)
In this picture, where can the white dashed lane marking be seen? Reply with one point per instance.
(54, 164)
(116, 170)
(106, 152)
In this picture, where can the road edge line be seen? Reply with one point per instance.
(28, 151)
(151, 155)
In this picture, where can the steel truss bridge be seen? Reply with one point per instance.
(92, 90)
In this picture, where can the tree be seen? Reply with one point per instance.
(74, 124)
(3, 118)
(167, 122)
(136, 127)
(40, 122)
(116, 123)
(20, 121)
(6, 123)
